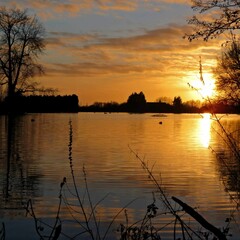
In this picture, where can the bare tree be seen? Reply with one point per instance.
(216, 17)
(21, 43)
(227, 73)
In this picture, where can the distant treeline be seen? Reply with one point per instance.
(153, 107)
(159, 107)
(137, 103)
(44, 104)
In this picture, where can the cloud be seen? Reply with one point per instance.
(90, 69)
(149, 52)
(117, 5)
(64, 39)
(72, 7)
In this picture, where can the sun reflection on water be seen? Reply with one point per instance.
(205, 130)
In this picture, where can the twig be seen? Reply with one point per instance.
(200, 219)
(29, 210)
(58, 228)
(91, 205)
(3, 232)
(74, 181)
(114, 218)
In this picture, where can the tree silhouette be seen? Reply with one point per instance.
(136, 102)
(216, 17)
(177, 104)
(227, 74)
(21, 42)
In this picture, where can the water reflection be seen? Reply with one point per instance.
(19, 177)
(205, 130)
(228, 161)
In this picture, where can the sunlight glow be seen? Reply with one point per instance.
(205, 130)
(206, 89)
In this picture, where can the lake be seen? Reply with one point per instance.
(38, 150)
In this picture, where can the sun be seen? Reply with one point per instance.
(206, 86)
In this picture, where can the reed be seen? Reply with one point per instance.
(40, 225)
(2, 232)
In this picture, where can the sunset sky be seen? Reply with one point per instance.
(104, 50)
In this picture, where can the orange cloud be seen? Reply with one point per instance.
(147, 51)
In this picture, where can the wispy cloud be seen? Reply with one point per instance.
(150, 51)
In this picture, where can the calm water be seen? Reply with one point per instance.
(34, 158)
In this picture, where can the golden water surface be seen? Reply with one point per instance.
(34, 158)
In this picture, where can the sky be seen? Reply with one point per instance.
(104, 50)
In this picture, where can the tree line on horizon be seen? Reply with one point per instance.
(41, 104)
(137, 103)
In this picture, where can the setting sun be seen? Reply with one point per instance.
(206, 87)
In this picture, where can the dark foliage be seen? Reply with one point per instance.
(227, 73)
(136, 102)
(22, 104)
(177, 104)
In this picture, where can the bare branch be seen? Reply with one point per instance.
(21, 43)
(214, 17)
